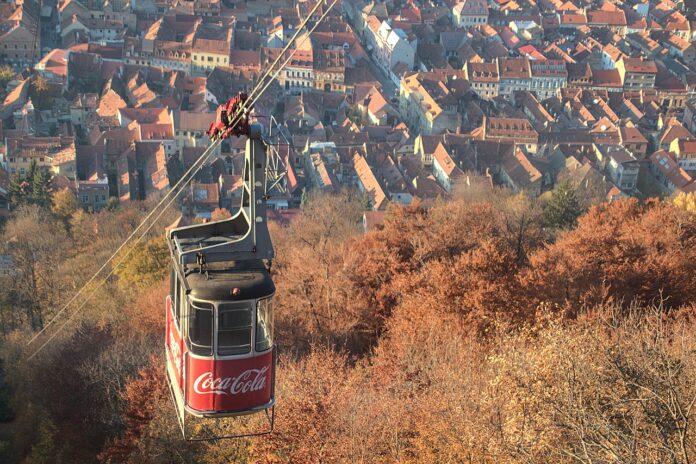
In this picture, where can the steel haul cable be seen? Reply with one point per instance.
(253, 97)
(125, 242)
(239, 115)
(113, 269)
(280, 55)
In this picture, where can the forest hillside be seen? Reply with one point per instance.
(498, 330)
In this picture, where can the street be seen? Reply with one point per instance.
(389, 89)
(49, 22)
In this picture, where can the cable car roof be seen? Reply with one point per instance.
(218, 285)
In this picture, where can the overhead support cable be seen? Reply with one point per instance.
(254, 96)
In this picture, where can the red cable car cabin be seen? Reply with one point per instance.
(221, 345)
(219, 334)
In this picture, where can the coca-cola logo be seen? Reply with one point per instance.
(248, 381)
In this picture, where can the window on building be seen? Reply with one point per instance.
(85, 199)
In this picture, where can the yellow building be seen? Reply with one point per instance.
(329, 70)
(53, 154)
(211, 48)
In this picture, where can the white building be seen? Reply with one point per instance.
(392, 46)
(470, 13)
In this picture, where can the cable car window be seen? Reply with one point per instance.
(264, 324)
(180, 302)
(172, 285)
(234, 329)
(201, 328)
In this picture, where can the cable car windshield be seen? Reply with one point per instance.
(201, 328)
(234, 329)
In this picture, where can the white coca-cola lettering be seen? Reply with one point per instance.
(175, 349)
(250, 380)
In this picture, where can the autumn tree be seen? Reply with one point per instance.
(143, 264)
(315, 301)
(6, 75)
(577, 393)
(140, 396)
(619, 252)
(37, 247)
(39, 93)
(64, 205)
(521, 220)
(219, 214)
(685, 201)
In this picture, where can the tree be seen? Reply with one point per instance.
(112, 203)
(39, 93)
(354, 114)
(304, 198)
(39, 187)
(685, 201)
(45, 451)
(147, 264)
(140, 396)
(562, 210)
(6, 413)
(36, 244)
(619, 252)
(32, 188)
(6, 75)
(366, 202)
(219, 214)
(64, 205)
(18, 190)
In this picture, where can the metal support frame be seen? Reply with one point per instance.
(276, 169)
(245, 235)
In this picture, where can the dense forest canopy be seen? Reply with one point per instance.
(488, 328)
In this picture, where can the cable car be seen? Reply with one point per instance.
(219, 326)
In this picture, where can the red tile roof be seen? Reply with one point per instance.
(640, 65)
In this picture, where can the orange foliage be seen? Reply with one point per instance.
(219, 214)
(148, 311)
(430, 340)
(140, 396)
(310, 393)
(619, 252)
